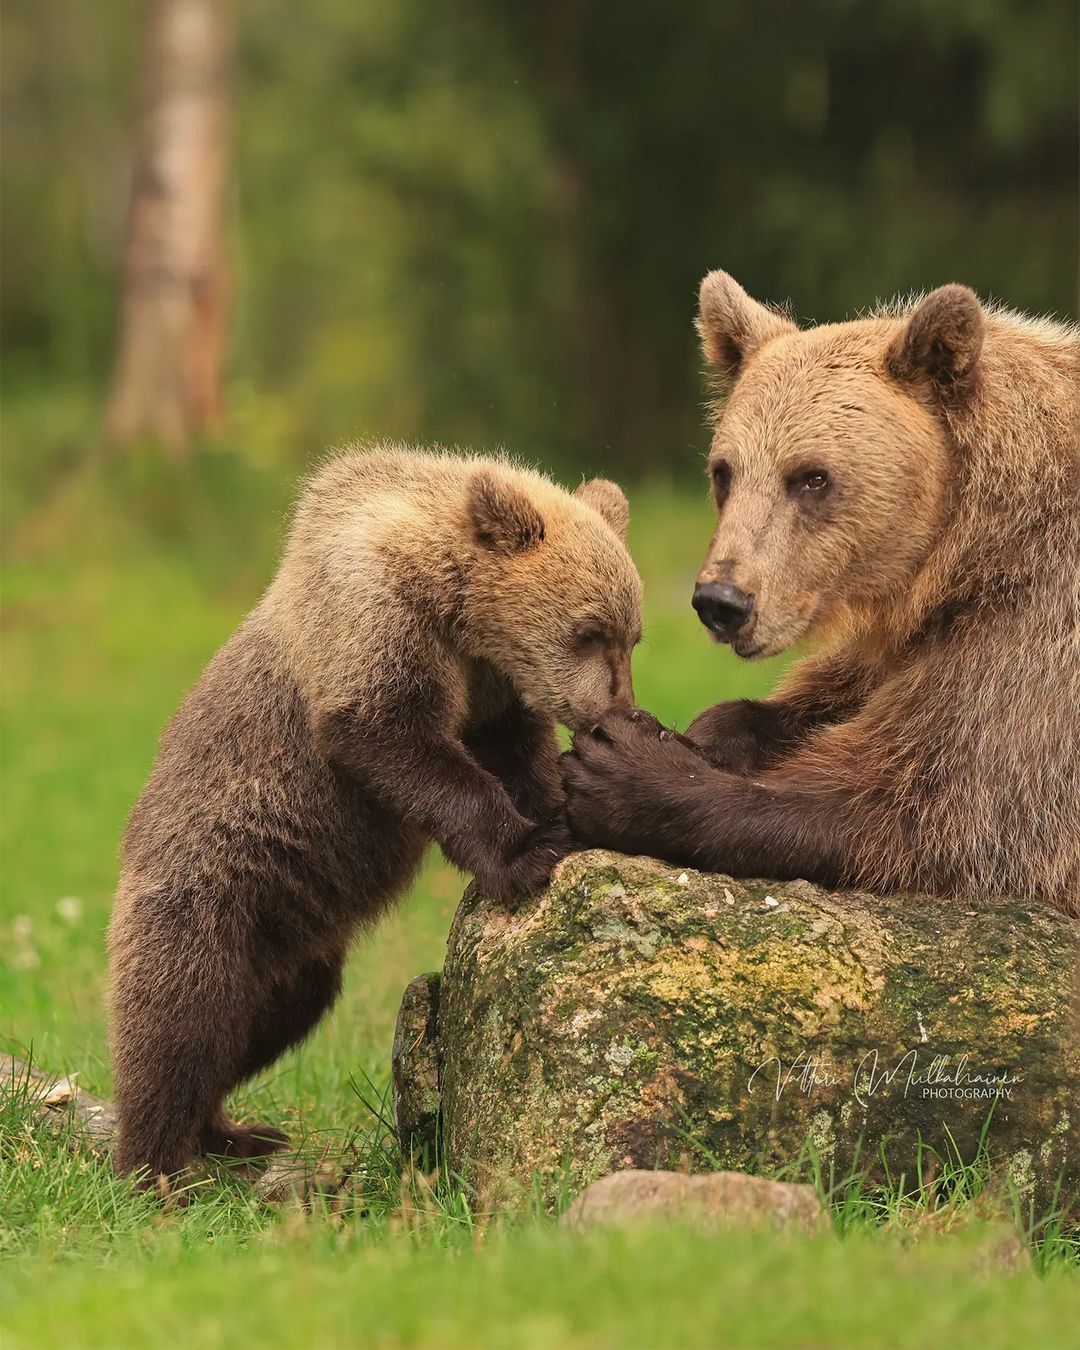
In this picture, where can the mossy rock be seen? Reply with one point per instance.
(636, 1015)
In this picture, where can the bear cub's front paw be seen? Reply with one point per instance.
(528, 869)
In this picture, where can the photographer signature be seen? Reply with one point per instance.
(940, 1077)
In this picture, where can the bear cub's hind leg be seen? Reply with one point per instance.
(292, 1009)
(226, 1138)
(182, 1024)
(174, 1062)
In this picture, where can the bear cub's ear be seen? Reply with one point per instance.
(732, 326)
(608, 500)
(503, 518)
(941, 342)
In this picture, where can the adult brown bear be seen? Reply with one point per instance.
(906, 488)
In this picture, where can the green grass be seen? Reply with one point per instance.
(538, 1287)
(120, 582)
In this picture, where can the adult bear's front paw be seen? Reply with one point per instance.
(618, 774)
(739, 737)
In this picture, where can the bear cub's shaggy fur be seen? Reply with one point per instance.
(398, 683)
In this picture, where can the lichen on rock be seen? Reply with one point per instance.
(636, 1015)
(416, 1069)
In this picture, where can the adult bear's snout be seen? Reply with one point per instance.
(722, 608)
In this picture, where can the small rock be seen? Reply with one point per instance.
(1002, 1252)
(290, 1181)
(710, 1202)
(56, 1097)
(772, 902)
(61, 1092)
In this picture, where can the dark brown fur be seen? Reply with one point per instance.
(934, 742)
(341, 729)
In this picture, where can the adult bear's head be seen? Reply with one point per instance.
(830, 460)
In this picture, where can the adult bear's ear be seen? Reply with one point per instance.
(609, 501)
(732, 326)
(940, 343)
(503, 518)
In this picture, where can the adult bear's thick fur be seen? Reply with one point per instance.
(906, 487)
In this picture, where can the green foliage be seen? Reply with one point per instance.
(484, 223)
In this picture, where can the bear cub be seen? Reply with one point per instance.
(432, 618)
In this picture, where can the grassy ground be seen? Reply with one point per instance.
(119, 584)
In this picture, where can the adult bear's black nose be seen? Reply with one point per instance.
(722, 608)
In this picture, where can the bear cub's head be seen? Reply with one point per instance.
(553, 599)
(830, 462)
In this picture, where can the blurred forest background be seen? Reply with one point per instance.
(482, 222)
(236, 234)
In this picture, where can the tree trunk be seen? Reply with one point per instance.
(167, 379)
(636, 1016)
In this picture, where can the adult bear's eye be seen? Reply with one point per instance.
(811, 482)
(721, 480)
